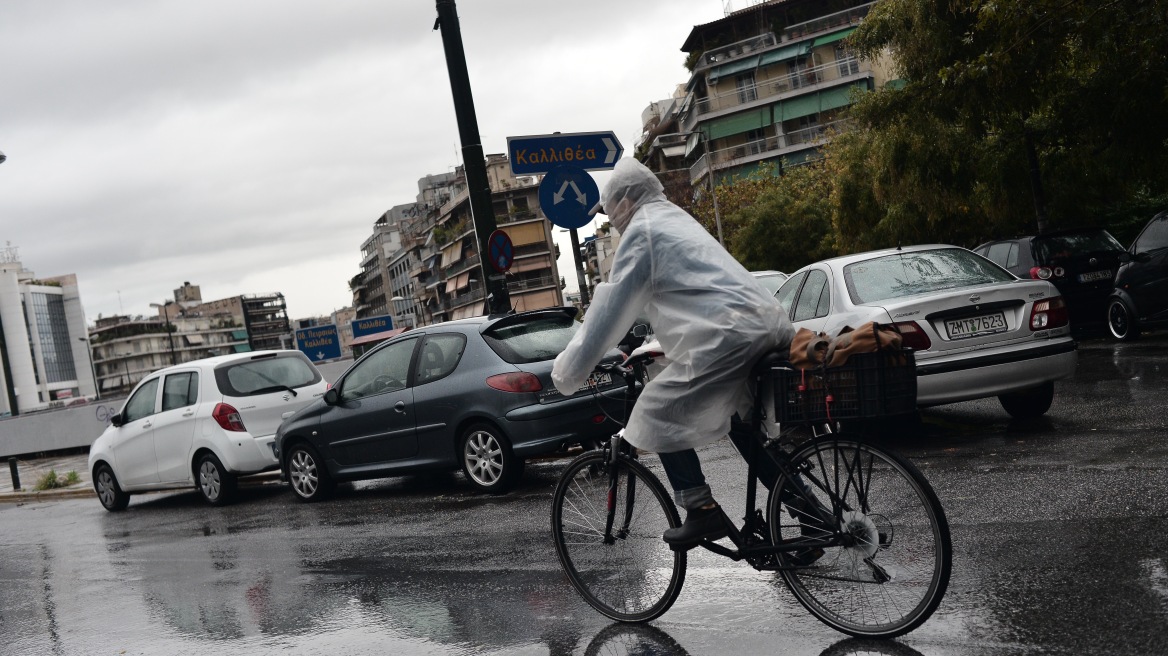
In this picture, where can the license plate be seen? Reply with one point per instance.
(1095, 275)
(596, 380)
(987, 324)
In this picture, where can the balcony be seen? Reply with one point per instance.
(735, 50)
(532, 283)
(764, 92)
(768, 148)
(826, 23)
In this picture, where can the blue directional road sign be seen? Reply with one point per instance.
(371, 325)
(319, 342)
(590, 151)
(566, 194)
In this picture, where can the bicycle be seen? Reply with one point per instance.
(855, 531)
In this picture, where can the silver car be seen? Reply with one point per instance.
(977, 330)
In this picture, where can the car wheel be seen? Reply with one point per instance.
(213, 481)
(1121, 321)
(109, 493)
(1030, 403)
(307, 474)
(487, 459)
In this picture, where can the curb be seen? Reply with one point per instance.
(47, 495)
(88, 491)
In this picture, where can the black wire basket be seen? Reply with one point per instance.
(867, 386)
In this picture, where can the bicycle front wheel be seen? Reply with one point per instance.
(893, 567)
(627, 572)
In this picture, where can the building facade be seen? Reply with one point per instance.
(435, 274)
(769, 83)
(44, 359)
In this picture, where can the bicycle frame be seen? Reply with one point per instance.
(758, 553)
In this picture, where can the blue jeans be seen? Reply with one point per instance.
(684, 469)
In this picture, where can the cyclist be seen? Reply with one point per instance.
(712, 318)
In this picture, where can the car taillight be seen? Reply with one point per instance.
(1051, 313)
(1046, 273)
(913, 336)
(515, 382)
(228, 418)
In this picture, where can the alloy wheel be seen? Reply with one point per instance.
(210, 480)
(302, 471)
(484, 458)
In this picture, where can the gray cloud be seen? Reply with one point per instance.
(249, 146)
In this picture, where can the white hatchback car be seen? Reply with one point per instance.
(978, 331)
(203, 424)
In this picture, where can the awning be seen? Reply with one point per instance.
(813, 103)
(460, 282)
(373, 338)
(785, 53)
(238, 335)
(800, 107)
(692, 141)
(739, 123)
(194, 339)
(747, 64)
(530, 264)
(833, 37)
(242, 348)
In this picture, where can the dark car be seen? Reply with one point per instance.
(1140, 297)
(472, 393)
(1081, 263)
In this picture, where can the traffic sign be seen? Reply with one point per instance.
(370, 325)
(500, 251)
(590, 151)
(566, 194)
(319, 342)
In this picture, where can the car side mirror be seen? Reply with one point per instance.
(117, 419)
(332, 396)
(640, 330)
(1142, 256)
(1125, 257)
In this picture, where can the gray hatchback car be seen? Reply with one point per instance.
(474, 394)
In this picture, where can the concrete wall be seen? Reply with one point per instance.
(78, 426)
(56, 430)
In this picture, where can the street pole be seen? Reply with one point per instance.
(580, 277)
(713, 194)
(169, 333)
(473, 160)
(92, 369)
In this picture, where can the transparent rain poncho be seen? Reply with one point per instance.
(711, 317)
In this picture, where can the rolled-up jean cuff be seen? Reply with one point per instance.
(694, 497)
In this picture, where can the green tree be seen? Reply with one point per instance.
(1014, 115)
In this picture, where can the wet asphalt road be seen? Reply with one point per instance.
(1058, 531)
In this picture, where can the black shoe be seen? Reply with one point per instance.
(804, 557)
(700, 524)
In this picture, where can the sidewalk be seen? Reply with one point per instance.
(33, 469)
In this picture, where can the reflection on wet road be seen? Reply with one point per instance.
(1056, 530)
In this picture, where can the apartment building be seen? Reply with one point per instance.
(44, 358)
(768, 84)
(435, 273)
(126, 349)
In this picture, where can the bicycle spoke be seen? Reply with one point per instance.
(890, 571)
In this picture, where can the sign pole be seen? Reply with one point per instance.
(580, 277)
(473, 160)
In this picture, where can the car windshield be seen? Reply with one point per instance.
(771, 281)
(919, 272)
(265, 374)
(541, 338)
(1058, 247)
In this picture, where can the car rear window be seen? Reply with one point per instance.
(1058, 247)
(540, 338)
(265, 374)
(918, 272)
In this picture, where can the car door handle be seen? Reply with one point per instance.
(189, 413)
(147, 425)
(400, 406)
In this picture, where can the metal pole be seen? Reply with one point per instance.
(713, 194)
(473, 160)
(169, 334)
(580, 277)
(15, 473)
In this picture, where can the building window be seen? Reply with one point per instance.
(846, 60)
(756, 141)
(51, 327)
(747, 92)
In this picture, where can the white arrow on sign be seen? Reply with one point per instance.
(320, 355)
(611, 156)
(559, 195)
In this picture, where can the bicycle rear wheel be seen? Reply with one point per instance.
(635, 576)
(893, 572)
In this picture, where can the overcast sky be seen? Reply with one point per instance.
(247, 146)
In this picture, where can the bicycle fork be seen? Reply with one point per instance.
(612, 464)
